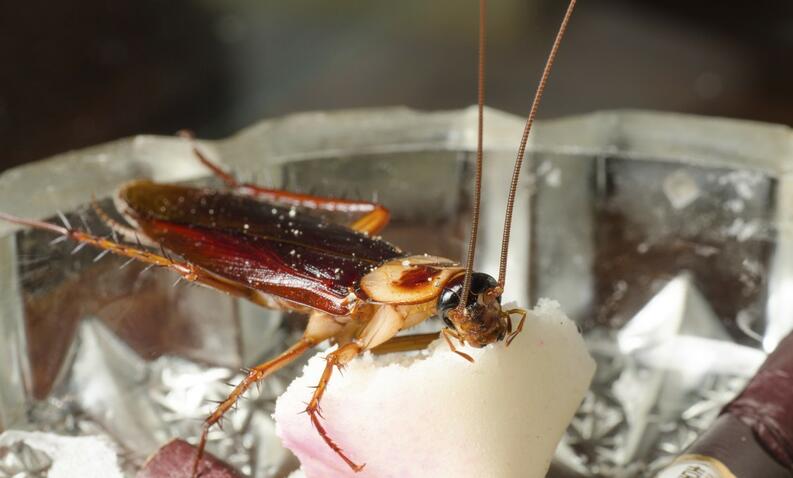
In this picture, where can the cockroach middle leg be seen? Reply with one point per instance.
(337, 358)
(384, 322)
(522, 313)
(406, 343)
(221, 174)
(256, 374)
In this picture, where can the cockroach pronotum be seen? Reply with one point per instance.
(358, 290)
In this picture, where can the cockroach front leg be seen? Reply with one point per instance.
(256, 374)
(335, 359)
(447, 333)
(320, 327)
(522, 313)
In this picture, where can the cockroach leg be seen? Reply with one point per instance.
(188, 271)
(256, 374)
(384, 322)
(227, 178)
(406, 343)
(522, 313)
(447, 333)
(185, 270)
(338, 358)
(373, 221)
(125, 232)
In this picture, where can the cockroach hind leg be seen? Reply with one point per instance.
(522, 313)
(84, 239)
(254, 375)
(127, 233)
(339, 357)
(186, 270)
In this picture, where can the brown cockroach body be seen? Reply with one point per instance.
(358, 290)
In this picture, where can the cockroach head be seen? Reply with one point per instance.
(481, 321)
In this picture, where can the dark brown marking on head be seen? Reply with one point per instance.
(416, 276)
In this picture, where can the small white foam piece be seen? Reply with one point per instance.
(681, 189)
(83, 456)
(439, 415)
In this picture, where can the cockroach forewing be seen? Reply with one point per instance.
(264, 246)
(228, 211)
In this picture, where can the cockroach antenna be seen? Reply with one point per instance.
(469, 263)
(513, 187)
(480, 95)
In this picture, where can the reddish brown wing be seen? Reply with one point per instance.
(266, 246)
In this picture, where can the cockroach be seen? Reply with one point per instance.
(358, 290)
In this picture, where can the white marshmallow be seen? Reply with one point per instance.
(434, 414)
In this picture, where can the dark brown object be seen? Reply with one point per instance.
(86, 75)
(175, 460)
(766, 405)
(733, 443)
(753, 437)
(645, 257)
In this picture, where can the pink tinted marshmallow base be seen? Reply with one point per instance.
(437, 415)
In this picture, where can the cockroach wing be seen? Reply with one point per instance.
(409, 280)
(262, 245)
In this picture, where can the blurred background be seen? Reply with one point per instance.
(76, 74)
